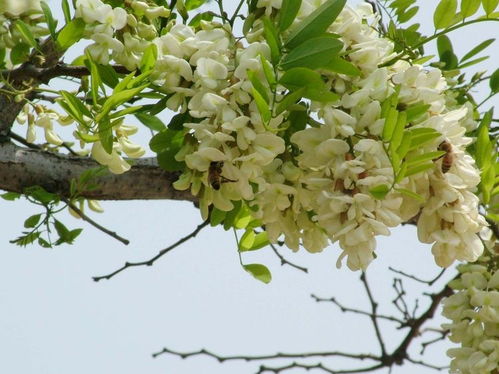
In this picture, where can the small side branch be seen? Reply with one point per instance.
(345, 309)
(95, 224)
(286, 262)
(413, 277)
(151, 261)
(220, 358)
(374, 308)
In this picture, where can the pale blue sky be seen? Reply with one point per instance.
(54, 319)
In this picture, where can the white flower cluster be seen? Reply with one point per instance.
(313, 186)
(12, 10)
(474, 311)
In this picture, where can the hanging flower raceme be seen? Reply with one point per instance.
(317, 150)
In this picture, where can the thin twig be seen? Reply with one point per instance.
(345, 309)
(219, 358)
(286, 262)
(374, 308)
(319, 366)
(95, 224)
(151, 261)
(429, 283)
(422, 363)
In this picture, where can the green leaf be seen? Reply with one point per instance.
(32, 221)
(290, 99)
(272, 39)
(312, 54)
(419, 169)
(231, 216)
(117, 99)
(205, 16)
(49, 19)
(11, 196)
(108, 75)
(494, 81)
(268, 71)
(66, 11)
(483, 143)
(416, 110)
(262, 106)
(41, 195)
(473, 62)
(469, 7)
(410, 193)
(243, 218)
(71, 33)
(149, 58)
(106, 134)
(26, 239)
(489, 5)
(19, 53)
(126, 111)
(315, 23)
(152, 122)
(446, 52)
(257, 85)
(260, 272)
(341, 66)
(379, 192)
(178, 120)
(26, 33)
(166, 144)
(398, 131)
(287, 14)
(193, 4)
(315, 88)
(94, 78)
(217, 216)
(74, 107)
(390, 123)
(247, 240)
(419, 159)
(408, 15)
(444, 14)
(43, 243)
(479, 48)
(261, 240)
(418, 138)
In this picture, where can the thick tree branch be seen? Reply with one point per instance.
(45, 74)
(21, 168)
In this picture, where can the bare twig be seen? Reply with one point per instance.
(373, 316)
(219, 358)
(95, 224)
(345, 309)
(425, 364)
(286, 262)
(413, 277)
(319, 366)
(151, 261)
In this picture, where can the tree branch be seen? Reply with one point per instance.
(151, 261)
(21, 168)
(86, 218)
(45, 74)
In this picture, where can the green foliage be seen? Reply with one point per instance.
(316, 23)
(260, 272)
(166, 144)
(316, 53)
(71, 33)
(289, 10)
(444, 14)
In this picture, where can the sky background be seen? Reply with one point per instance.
(55, 319)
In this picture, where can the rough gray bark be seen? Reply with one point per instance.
(21, 168)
